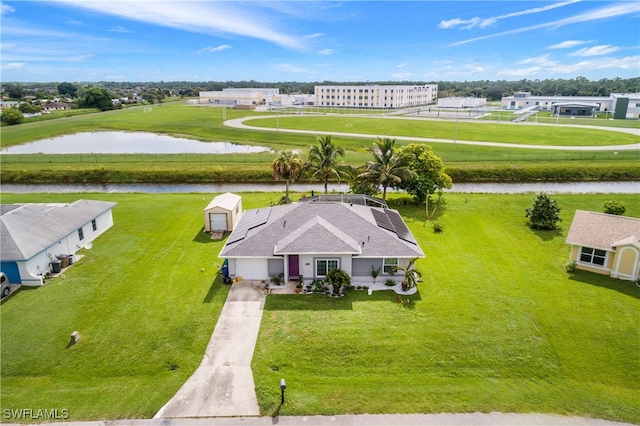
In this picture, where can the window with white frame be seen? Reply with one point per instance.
(389, 265)
(325, 265)
(593, 256)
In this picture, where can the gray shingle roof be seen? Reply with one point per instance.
(28, 229)
(321, 227)
(603, 231)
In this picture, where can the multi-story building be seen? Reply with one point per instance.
(376, 96)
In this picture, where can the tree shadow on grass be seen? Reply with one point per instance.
(548, 235)
(628, 288)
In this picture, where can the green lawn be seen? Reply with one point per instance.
(473, 131)
(497, 324)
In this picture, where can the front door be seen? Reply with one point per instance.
(294, 266)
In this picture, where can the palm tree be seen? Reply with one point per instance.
(288, 166)
(411, 274)
(323, 162)
(388, 167)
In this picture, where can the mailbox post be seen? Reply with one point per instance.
(283, 386)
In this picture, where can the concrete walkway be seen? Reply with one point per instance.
(223, 383)
(238, 123)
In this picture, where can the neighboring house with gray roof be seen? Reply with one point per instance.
(32, 235)
(309, 239)
(606, 244)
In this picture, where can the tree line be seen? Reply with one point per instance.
(490, 89)
(414, 169)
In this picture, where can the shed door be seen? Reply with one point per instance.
(218, 221)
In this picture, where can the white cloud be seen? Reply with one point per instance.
(13, 66)
(402, 65)
(625, 63)
(210, 49)
(483, 23)
(402, 75)
(568, 44)
(521, 72)
(290, 68)
(604, 49)
(542, 61)
(596, 14)
(5, 8)
(119, 29)
(315, 35)
(197, 17)
(70, 21)
(326, 52)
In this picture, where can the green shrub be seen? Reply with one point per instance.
(571, 267)
(338, 278)
(389, 282)
(437, 227)
(614, 207)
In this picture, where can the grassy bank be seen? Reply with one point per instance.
(497, 324)
(464, 162)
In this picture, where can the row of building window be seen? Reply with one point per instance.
(323, 266)
(94, 226)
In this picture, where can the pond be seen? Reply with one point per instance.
(471, 188)
(127, 143)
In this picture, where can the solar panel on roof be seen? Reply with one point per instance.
(382, 220)
(249, 221)
(400, 228)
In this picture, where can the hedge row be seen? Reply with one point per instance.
(479, 174)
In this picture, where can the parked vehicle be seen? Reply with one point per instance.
(6, 285)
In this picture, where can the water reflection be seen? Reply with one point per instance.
(127, 143)
(491, 188)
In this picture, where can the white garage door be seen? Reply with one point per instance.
(218, 221)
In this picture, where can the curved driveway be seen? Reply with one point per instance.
(238, 123)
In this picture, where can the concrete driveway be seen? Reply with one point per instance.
(223, 386)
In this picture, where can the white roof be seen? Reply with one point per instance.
(227, 201)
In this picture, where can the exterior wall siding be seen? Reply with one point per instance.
(275, 267)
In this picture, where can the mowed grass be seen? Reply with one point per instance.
(472, 131)
(497, 325)
(145, 300)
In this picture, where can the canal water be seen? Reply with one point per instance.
(492, 188)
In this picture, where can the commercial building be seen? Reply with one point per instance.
(250, 98)
(621, 105)
(462, 102)
(376, 96)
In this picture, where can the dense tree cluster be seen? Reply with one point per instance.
(490, 89)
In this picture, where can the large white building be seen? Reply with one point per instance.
(375, 96)
(253, 97)
(621, 105)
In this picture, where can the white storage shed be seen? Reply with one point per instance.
(223, 213)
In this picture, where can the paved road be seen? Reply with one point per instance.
(238, 123)
(475, 419)
(223, 383)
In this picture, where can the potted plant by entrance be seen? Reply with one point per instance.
(299, 288)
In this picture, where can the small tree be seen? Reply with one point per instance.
(338, 278)
(12, 116)
(411, 274)
(614, 207)
(544, 213)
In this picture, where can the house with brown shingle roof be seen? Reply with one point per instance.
(606, 244)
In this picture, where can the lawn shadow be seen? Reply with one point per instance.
(307, 302)
(628, 288)
(548, 235)
(214, 289)
(407, 301)
(203, 237)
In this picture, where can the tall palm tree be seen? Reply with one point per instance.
(324, 161)
(388, 166)
(288, 166)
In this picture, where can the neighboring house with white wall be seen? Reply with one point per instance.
(606, 244)
(308, 239)
(376, 96)
(32, 235)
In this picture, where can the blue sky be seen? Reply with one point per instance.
(118, 40)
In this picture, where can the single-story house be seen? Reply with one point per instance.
(606, 244)
(56, 106)
(32, 236)
(308, 239)
(223, 212)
